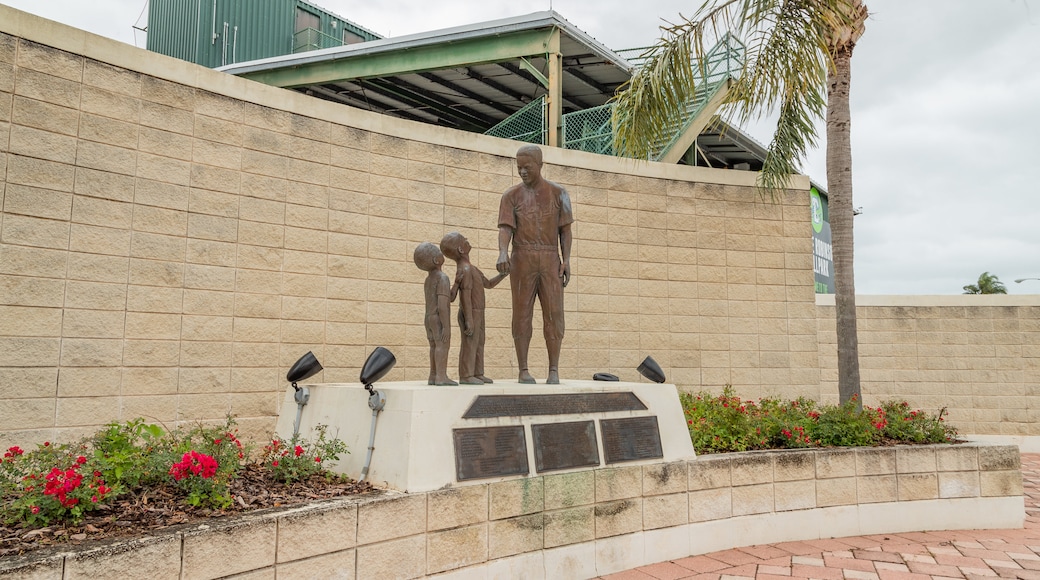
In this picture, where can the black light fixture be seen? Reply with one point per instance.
(651, 370)
(376, 366)
(306, 367)
(605, 377)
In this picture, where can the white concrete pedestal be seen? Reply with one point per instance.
(414, 445)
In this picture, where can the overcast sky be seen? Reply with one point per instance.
(945, 120)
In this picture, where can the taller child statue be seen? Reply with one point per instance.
(536, 216)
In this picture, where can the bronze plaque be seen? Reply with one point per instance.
(631, 439)
(486, 406)
(482, 452)
(564, 445)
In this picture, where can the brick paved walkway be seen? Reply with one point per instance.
(907, 556)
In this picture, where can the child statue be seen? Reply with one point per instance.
(470, 283)
(438, 311)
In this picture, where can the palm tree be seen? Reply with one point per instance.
(987, 284)
(797, 63)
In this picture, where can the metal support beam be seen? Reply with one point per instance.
(554, 59)
(409, 60)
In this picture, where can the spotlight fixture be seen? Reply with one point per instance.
(376, 366)
(306, 367)
(651, 370)
(604, 377)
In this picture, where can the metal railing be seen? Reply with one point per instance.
(529, 124)
(312, 39)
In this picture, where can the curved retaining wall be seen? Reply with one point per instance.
(584, 524)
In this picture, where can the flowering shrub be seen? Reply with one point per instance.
(61, 483)
(725, 423)
(300, 458)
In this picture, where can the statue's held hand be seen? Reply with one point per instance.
(503, 263)
(565, 273)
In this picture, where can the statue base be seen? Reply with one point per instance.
(432, 437)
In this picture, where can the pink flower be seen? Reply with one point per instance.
(35, 509)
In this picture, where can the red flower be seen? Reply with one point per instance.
(317, 459)
(217, 441)
(298, 451)
(194, 463)
(35, 509)
(274, 463)
(81, 460)
(46, 443)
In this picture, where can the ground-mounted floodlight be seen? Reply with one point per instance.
(605, 377)
(1020, 280)
(651, 370)
(306, 367)
(376, 366)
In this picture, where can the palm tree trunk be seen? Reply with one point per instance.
(839, 186)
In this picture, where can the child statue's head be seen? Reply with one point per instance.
(428, 257)
(455, 246)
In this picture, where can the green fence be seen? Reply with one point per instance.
(529, 124)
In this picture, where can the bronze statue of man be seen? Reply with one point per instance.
(536, 217)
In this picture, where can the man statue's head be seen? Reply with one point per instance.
(529, 164)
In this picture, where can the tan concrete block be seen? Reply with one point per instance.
(457, 548)
(1001, 483)
(18, 414)
(156, 408)
(93, 323)
(154, 299)
(110, 104)
(47, 88)
(959, 484)
(36, 232)
(515, 536)
(752, 468)
(794, 495)
(168, 93)
(88, 381)
(957, 458)
(794, 466)
(205, 354)
(151, 353)
(338, 565)
(207, 302)
(403, 558)
(99, 240)
(873, 461)
(149, 381)
(206, 328)
(157, 247)
(618, 517)
(107, 130)
(79, 411)
(664, 511)
(451, 508)
(91, 352)
(835, 463)
(305, 533)
(752, 499)
(999, 458)
(915, 486)
(569, 526)
(389, 518)
(920, 459)
(213, 253)
(229, 549)
(103, 157)
(205, 277)
(43, 115)
(30, 321)
(877, 488)
(707, 472)
(156, 273)
(663, 478)
(516, 497)
(205, 380)
(27, 382)
(93, 295)
(32, 142)
(711, 504)
(157, 557)
(33, 262)
(202, 407)
(570, 489)
(618, 483)
(48, 60)
(835, 491)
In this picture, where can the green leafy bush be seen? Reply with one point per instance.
(61, 483)
(725, 423)
(301, 458)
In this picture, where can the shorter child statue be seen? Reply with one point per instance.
(437, 290)
(470, 283)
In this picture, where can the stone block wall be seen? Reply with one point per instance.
(173, 238)
(583, 524)
(977, 357)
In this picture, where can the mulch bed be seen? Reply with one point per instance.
(137, 515)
